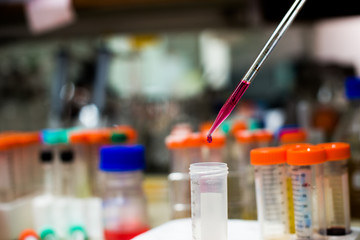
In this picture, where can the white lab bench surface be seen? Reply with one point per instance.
(181, 230)
(237, 229)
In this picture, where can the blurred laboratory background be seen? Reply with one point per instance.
(146, 69)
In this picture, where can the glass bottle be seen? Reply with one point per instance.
(124, 205)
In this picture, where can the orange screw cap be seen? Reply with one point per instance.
(245, 136)
(336, 150)
(296, 145)
(303, 156)
(268, 156)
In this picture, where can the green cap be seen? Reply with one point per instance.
(52, 136)
(118, 138)
(226, 126)
(77, 229)
(253, 124)
(47, 232)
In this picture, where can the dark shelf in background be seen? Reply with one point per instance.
(313, 10)
(94, 18)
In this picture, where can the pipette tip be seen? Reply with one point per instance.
(209, 138)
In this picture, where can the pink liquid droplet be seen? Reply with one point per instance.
(209, 138)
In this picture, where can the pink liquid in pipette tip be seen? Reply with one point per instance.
(228, 107)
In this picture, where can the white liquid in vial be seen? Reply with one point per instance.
(213, 214)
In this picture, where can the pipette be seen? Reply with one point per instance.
(251, 73)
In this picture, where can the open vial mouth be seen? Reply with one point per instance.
(208, 169)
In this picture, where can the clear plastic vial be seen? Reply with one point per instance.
(81, 147)
(46, 158)
(86, 144)
(184, 149)
(337, 188)
(307, 172)
(289, 190)
(348, 130)
(264, 138)
(293, 136)
(244, 177)
(124, 205)
(214, 151)
(209, 200)
(179, 179)
(67, 172)
(271, 198)
(246, 141)
(7, 174)
(231, 144)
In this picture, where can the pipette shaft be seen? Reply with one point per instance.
(253, 70)
(273, 40)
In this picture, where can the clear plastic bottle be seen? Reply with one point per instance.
(231, 143)
(245, 143)
(271, 198)
(46, 159)
(214, 151)
(18, 170)
(348, 131)
(63, 203)
(67, 172)
(194, 143)
(7, 177)
(42, 209)
(26, 163)
(124, 205)
(179, 179)
(241, 177)
(81, 147)
(34, 147)
(185, 149)
(56, 140)
(178, 152)
(96, 139)
(263, 138)
(337, 188)
(307, 174)
(291, 136)
(30, 151)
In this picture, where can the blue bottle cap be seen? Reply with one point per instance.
(352, 87)
(122, 158)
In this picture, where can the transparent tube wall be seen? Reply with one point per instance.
(179, 183)
(247, 182)
(337, 198)
(209, 200)
(7, 192)
(271, 198)
(309, 202)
